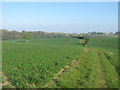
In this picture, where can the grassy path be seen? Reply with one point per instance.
(92, 70)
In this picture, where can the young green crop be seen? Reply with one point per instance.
(35, 64)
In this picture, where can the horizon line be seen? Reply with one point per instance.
(57, 32)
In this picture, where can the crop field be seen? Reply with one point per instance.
(60, 63)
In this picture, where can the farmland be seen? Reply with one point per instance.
(37, 64)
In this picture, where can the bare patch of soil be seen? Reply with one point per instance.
(103, 81)
(50, 83)
(5, 81)
(110, 53)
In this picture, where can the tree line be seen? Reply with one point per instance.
(27, 35)
(11, 35)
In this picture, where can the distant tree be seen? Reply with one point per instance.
(27, 36)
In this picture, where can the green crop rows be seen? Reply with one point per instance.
(38, 61)
(34, 64)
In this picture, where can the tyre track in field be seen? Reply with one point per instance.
(97, 69)
(102, 79)
(103, 74)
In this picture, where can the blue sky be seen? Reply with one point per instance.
(67, 17)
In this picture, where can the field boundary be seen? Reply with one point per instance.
(60, 72)
(63, 70)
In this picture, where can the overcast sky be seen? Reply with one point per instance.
(68, 17)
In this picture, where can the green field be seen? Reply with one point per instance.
(38, 63)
